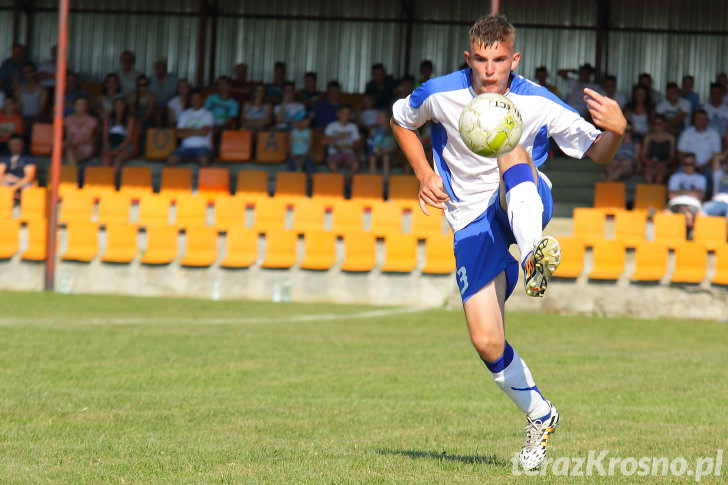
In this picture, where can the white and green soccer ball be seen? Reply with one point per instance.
(490, 125)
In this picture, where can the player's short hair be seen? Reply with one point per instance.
(492, 29)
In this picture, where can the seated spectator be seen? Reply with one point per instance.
(717, 112)
(625, 160)
(309, 95)
(610, 90)
(381, 145)
(81, 132)
(47, 71)
(162, 84)
(128, 76)
(541, 74)
(240, 87)
(685, 191)
(675, 110)
(143, 105)
(575, 98)
(341, 138)
(179, 103)
(33, 97)
(426, 70)
(274, 90)
(718, 204)
(686, 92)
(325, 111)
(640, 111)
(645, 80)
(11, 123)
(11, 68)
(299, 144)
(382, 87)
(289, 110)
(256, 115)
(223, 107)
(722, 79)
(117, 133)
(367, 115)
(17, 168)
(110, 91)
(702, 141)
(194, 128)
(73, 91)
(658, 157)
(405, 87)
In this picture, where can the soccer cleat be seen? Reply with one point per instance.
(537, 434)
(540, 264)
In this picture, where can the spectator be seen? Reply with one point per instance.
(289, 110)
(675, 110)
(127, 74)
(118, 129)
(625, 160)
(718, 205)
(143, 103)
(382, 87)
(659, 152)
(381, 145)
(716, 110)
(256, 115)
(81, 131)
(645, 80)
(47, 71)
(541, 74)
(11, 123)
(640, 111)
(701, 141)
(610, 89)
(325, 111)
(686, 92)
(575, 98)
(33, 97)
(405, 87)
(110, 91)
(240, 87)
(722, 79)
(309, 95)
(2, 98)
(11, 68)
(224, 108)
(194, 128)
(426, 70)
(299, 144)
(179, 103)
(341, 138)
(274, 90)
(367, 115)
(162, 84)
(73, 91)
(17, 168)
(685, 191)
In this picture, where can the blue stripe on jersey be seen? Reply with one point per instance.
(540, 151)
(524, 87)
(449, 82)
(439, 140)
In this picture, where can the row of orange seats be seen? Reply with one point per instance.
(612, 196)
(241, 247)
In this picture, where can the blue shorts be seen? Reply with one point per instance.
(481, 247)
(195, 153)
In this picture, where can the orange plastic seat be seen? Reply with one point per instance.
(41, 139)
(367, 188)
(608, 259)
(721, 266)
(82, 242)
(7, 202)
(290, 185)
(359, 253)
(114, 209)
(280, 249)
(348, 217)
(212, 182)
(572, 258)
(33, 204)
(77, 206)
(99, 181)
(271, 147)
(191, 211)
(252, 184)
(670, 229)
(136, 182)
(308, 215)
(269, 214)
(328, 186)
(588, 225)
(439, 254)
(241, 248)
(153, 211)
(423, 226)
(68, 181)
(175, 181)
(201, 246)
(691, 262)
(320, 250)
(161, 245)
(650, 261)
(235, 146)
(401, 253)
(650, 197)
(160, 143)
(229, 212)
(121, 243)
(386, 219)
(37, 236)
(629, 227)
(9, 229)
(404, 190)
(711, 231)
(610, 196)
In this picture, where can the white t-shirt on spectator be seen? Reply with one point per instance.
(683, 181)
(175, 104)
(718, 117)
(672, 110)
(128, 81)
(195, 120)
(704, 144)
(335, 128)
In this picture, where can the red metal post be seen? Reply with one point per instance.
(494, 6)
(57, 142)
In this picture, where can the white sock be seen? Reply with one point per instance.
(525, 212)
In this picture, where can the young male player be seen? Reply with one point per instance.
(492, 203)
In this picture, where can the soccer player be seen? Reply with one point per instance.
(492, 203)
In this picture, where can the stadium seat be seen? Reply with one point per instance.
(359, 252)
(175, 181)
(37, 235)
(114, 209)
(348, 217)
(572, 257)
(439, 255)
(201, 247)
(7, 202)
(404, 190)
(68, 181)
(160, 143)
(9, 229)
(691, 262)
(153, 211)
(82, 242)
(721, 266)
(252, 184)
(650, 197)
(328, 186)
(320, 250)
(241, 248)
(33, 204)
(290, 185)
(280, 249)
(401, 253)
(670, 229)
(271, 147)
(608, 258)
(610, 196)
(191, 211)
(367, 188)
(212, 182)
(308, 215)
(77, 206)
(235, 146)
(229, 212)
(121, 243)
(270, 214)
(41, 139)
(161, 245)
(650, 262)
(629, 227)
(386, 219)
(588, 225)
(136, 182)
(423, 226)
(711, 231)
(98, 181)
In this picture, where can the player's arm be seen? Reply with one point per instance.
(608, 116)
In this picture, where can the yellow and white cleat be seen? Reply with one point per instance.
(540, 265)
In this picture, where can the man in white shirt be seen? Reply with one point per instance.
(686, 190)
(717, 111)
(341, 138)
(47, 70)
(702, 141)
(127, 74)
(575, 98)
(194, 128)
(675, 109)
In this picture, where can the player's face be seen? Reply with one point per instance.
(491, 66)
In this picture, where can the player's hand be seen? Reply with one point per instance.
(432, 193)
(605, 112)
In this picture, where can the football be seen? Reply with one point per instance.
(490, 125)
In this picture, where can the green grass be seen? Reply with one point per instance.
(102, 389)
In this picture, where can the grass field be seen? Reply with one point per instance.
(102, 389)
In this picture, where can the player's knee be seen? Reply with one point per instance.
(489, 346)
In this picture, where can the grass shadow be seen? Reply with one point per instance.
(444, 456)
